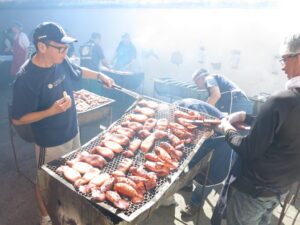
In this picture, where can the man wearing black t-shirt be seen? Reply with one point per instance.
(270, 153)
(91, 53)
(91, 56)
(43, 97)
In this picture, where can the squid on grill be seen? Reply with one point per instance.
(144, 110)
(125, 131)
(134, 145)
(116, 199)
(158, 168)
(183, 122)
(150, 124)
(106, 152)
(136, 126)
(100, 179)
(162, 124)
(126, 180)
(129, 191)
(69, 173)
(120, 139)
(81, 167)
(92, 159)
(138, 117)
(144, 133)
(175, 154)
(148, 143)
(149, 104)
(123, 166)
(115, 147)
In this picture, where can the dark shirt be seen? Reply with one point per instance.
(232, 98)
(36, 89)
(270, 153)
(90, 55)
(222, 82)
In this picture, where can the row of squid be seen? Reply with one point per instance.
(139, 131)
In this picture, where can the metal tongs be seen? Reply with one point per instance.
(204, 122)
(124, 90)
(215, 122)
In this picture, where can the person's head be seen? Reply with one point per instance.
(290, 53)
(96, 37)
(199, 77)
(126, 38)
(16, 27)
(9, 33)
(51, 41)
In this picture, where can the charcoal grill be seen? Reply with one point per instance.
(151, 197)
(173, 88)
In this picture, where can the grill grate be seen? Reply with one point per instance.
(165, 110)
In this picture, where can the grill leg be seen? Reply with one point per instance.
(210, 154)
(289, 199)
(282, 214)
(296, 193)
(11, 132)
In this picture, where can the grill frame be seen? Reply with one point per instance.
(96, 113)
(163, 183)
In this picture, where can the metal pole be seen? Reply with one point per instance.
(203, 187)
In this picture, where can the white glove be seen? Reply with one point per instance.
(224, 126)
(236, 117)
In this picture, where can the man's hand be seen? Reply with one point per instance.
(224, 126)
(61, 105)
(108, 82)
(236, 117)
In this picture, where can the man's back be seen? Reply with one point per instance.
(271, 152)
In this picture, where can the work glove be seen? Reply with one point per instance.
(236, 117)
(224, 126)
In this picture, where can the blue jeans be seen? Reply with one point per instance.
(219, 166)
(243, 209)
(195, 199)
(234, 102)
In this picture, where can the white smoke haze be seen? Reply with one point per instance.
(244, 43)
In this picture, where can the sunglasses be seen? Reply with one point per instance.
(60, 49)
(285, 59)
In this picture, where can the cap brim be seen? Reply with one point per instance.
(67, 40)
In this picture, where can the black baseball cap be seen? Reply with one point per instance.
(50, 31)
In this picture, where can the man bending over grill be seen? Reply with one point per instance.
(220, 162)
(43, 97)
(270, 153)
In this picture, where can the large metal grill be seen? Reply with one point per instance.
(171, 87)
(165, 110)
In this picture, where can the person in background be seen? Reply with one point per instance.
(125, 55)
(223, 93)
(270, 153)
(8, 42)
(20, 48)
(91, 54)
(43, 98)
(220, 162)
(71, 50)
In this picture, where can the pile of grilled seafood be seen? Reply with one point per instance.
(85, 100)
(159, 141)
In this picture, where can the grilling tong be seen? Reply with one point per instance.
(215, 122)
(197, 122)
(124, 90)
